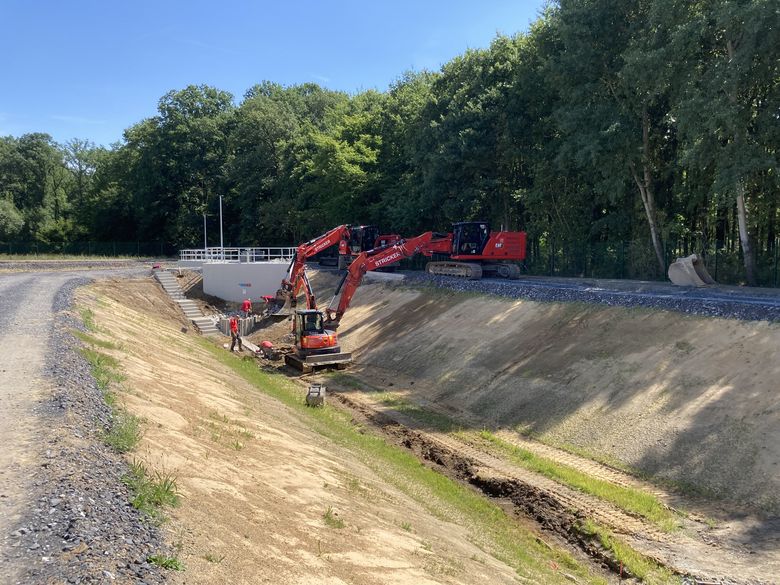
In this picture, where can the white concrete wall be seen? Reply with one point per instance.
(235, 282)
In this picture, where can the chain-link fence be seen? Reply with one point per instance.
(637, 260)
(132, 249)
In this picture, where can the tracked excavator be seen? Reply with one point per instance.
(314, 344)
(472, 250)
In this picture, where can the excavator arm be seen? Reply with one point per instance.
(302, 284)
(308, 249)
(373, 259)
(289, 289)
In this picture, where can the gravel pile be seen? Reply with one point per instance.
(83, 529)
(748, 309)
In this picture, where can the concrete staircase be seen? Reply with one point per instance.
(190, 308)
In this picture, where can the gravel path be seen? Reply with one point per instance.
(33, 265)
(725, 302)
(64, 512)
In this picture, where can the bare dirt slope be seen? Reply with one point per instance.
(257, 482)
(687, 399)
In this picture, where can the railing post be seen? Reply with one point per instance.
(777, 245)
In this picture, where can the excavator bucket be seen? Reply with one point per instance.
(690, 271)
(281, 305)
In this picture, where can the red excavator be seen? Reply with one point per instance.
(363, 238)
(284, 296)
(376, 259)
(474, 251)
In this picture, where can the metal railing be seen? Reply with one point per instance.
(236, 255)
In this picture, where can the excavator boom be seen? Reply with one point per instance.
(289, 289)
(374, 259)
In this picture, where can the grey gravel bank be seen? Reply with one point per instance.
(699, 303)
(60, 265)
(83, 528)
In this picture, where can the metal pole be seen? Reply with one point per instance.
(777, 244)
(221, 242)
(205, 240)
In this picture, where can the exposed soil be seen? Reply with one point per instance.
(683, 399)
(696, 551)
(256, 481)
(686, 399)
(649, 390)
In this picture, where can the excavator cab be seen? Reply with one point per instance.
(362, 238)
(469, 237)
(311, 335)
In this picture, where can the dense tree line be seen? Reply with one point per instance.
(636, 128)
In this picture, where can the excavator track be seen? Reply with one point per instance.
(469, 270)
(502, 270)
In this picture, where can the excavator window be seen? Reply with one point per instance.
(312, 322)
(470, 238)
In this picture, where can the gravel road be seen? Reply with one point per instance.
(64, 512)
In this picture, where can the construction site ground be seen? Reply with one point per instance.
(443, 376)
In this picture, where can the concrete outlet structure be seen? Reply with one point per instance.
(238, 281)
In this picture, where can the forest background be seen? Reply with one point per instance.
(618, 135)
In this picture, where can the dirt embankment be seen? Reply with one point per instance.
(686, 399)
(266, 499)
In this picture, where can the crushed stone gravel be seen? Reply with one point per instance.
(701, 303)
(82, 528)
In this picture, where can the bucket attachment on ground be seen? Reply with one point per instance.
(690, 271)
(316, 395)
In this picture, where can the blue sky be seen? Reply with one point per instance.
(90, 69)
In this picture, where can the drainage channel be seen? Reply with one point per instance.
(551, 512)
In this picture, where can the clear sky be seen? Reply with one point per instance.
(90, 69)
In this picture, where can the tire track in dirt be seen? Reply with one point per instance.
(557, 507)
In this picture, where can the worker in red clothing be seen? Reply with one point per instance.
(246, 308)
(234, 336)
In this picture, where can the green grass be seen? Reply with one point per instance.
(487, 525)
(332, 519)
(638, 565)
(151, 491)
(88, 318)
(430, 419)
(94, 341)
(105, 369)
(629, 499)
(165, 562)
(125, 431)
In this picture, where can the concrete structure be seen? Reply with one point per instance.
(238, 281)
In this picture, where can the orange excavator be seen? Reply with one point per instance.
(285, 297)
(363, 238)
(314, 344)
